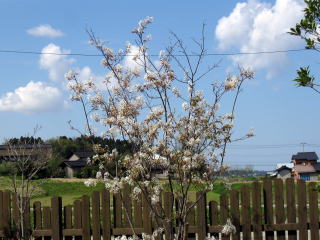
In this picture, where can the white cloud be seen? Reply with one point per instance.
(35, 97)
(256, 26)
(45, 30)
(57, 65)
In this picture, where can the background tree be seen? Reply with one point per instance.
(308, 30)
(157, 104)
(29, 155)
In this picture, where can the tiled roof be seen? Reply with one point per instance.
(305, 156)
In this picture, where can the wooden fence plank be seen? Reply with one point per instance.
(117, 210)
(106, 218)
(85, 217)
(224, 212)
(245, 212)
(56, 218)
(147, 217)
(256, 211)
(137, 212)
(1, 211)
(168, 210)
(6, 212)
(67, 210)
(96, 235)
(127, 206)
(302, 209)
(77, 216)
(201, 215)
(15, 211)
(268, 206)
(235, 213)
(46, 220)
(291, 207)
(313, 211)
(279, 207)
(37, 217)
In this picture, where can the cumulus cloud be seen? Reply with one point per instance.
(45, 30)
(35, 97)
(256, 26)
(57, 65)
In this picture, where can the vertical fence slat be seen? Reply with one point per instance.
(46, 219)
(256, 211)
(302, 209)
(147, 217)
(279, 207)
(106, 220)
(168, 209)
(37, 216)
(117, 210)
(245, 212)
(96, 216)
(235, 213)
(85, 217)
(127, 206)
(224, 212)
(56, 218)
(15, 211)
(6, 216)
(191, 215)
(201, 215)
(68, 219)
(268, 206)
(77, 216)
(314, 211)
(291, 206)
(137, 212)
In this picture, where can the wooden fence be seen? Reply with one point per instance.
(268, 210)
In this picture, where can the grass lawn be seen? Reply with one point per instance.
(73, 189)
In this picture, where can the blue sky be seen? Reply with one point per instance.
(32, 86)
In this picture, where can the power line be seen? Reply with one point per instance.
(155, 55)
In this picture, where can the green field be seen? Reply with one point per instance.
(73, 189)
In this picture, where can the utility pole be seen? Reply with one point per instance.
(303, 143)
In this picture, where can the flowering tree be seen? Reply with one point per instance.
(141, 104)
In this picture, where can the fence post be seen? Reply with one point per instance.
(56, 218)
(302, 210)
(168, 210)
(147, 217)
(96, 235)
(245, 213)
(314, 211)
(235, 213)
(85, 218)
(224, 212)
(106, 222)
(67, 220)
(202, 217)
(37, 217)
(279, 204)
(256, 205)
(268, 206)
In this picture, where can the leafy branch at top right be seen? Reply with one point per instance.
(308, 29)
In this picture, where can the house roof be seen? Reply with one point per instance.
(75, 164)
(83, 154)
(305, 156)
(287, 165)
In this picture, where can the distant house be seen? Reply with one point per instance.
(305, 166)
(284, 172)
(14, 152)
(76, 162)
